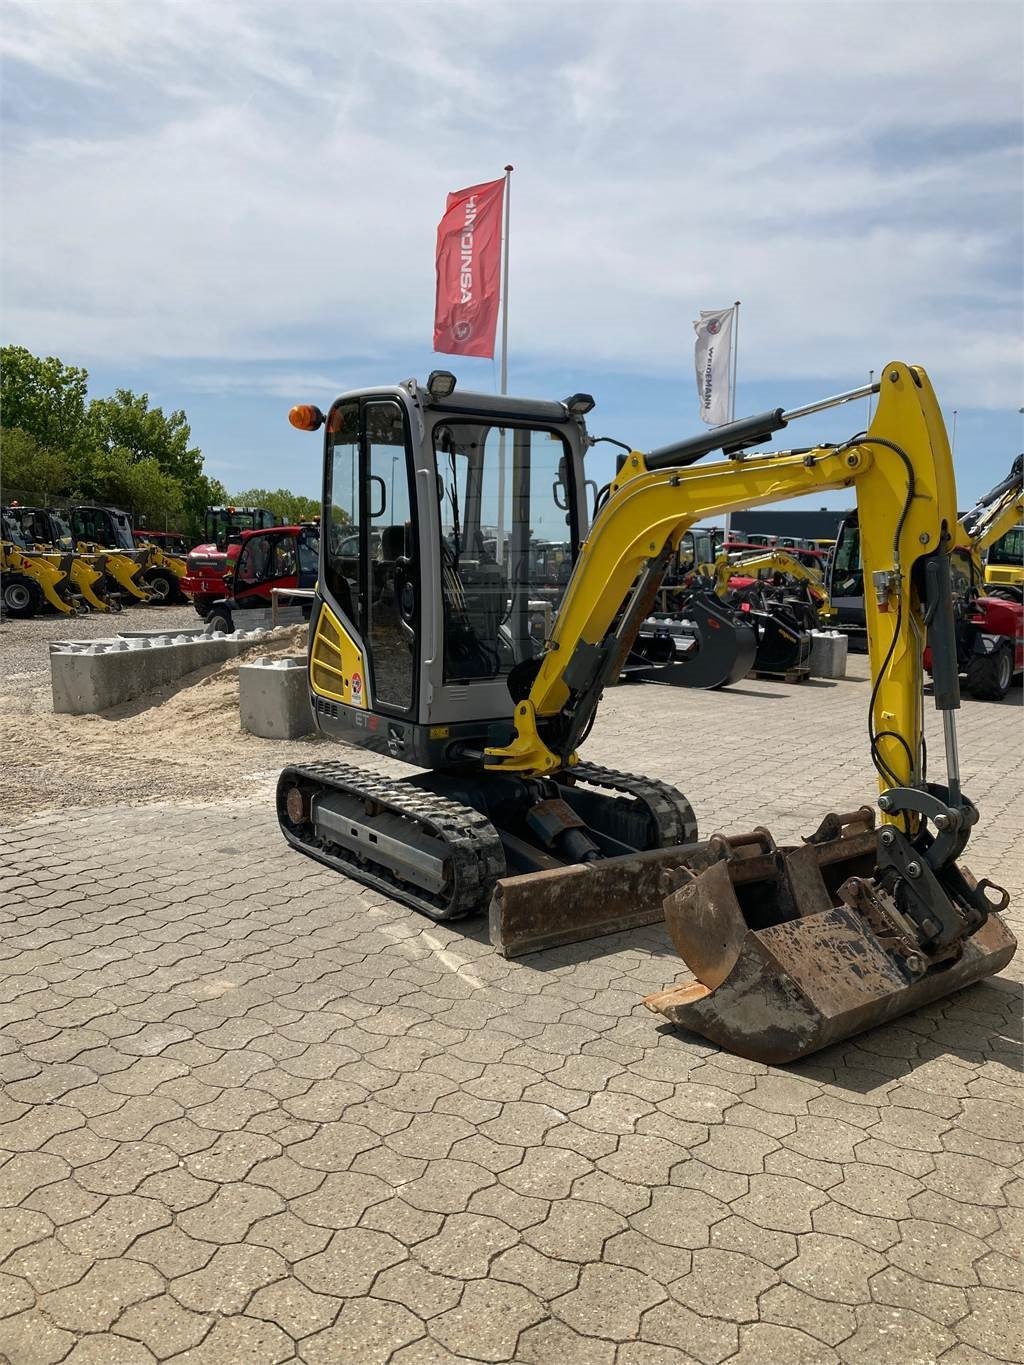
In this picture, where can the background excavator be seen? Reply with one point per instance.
(421, 646)
(989, 613)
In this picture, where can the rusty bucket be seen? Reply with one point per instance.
(784, 964)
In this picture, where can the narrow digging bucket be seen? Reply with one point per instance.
(781, 967)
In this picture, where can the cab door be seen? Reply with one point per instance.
(370, 553)
(252, 569)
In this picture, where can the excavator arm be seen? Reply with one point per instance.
(997, 512)
(902, 472)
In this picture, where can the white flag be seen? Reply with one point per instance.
(713, 358)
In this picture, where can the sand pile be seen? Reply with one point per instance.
(181, 741)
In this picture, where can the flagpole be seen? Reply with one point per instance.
(504, 283)
(727, 528)
(499, 549)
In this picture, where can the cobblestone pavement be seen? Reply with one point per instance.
(254, 1114)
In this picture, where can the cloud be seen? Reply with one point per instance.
(245, 182)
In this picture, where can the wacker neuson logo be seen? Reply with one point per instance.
(466, 248)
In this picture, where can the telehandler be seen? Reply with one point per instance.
(421, 647)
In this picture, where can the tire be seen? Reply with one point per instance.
(989, 676)
(21, 596)
(220, 619)
(162, 585)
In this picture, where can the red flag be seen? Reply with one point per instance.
(468, 271)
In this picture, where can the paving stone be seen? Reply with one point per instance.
(724, 1284)
(367, 1332)
(229, 1215)
(770, 1248)
(643, 1353)
(944, 1304)
(779, 1202)
(401, 1221)
(542, 1275)
(105, 1349)
(762, 1342)
(608, 1301)
(466, 1245)
(680, 1217)
(706, 1339)
(553, 1341)
(977, 1219)
(487, 1323)
(112, 1229)
(28, 1339)
(937, 1252)
(164, 1326)
(171, 1251)
(574, 1230)
(832, 1268)
(886, 1333)
(229, 1280)
(295, 1309)
(837, 1219)
(517, 1210)
(289, 1236)
(93, 1302)
(546, 1173)
(418, 1289)
(240, 1339)
(446, 1186)
(994, 1324)
(350, 1262)
(824, 1321)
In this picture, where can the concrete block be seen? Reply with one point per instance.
(273, 698)
(91, 676)
(828, 654)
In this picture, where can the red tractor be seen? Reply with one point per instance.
(222, 528)
(259, 561)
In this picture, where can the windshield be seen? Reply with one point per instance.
(507, 542)
(1009, 549)
(847, 579)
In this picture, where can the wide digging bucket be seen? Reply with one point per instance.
(781, 967)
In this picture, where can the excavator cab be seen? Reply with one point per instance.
(432, 594)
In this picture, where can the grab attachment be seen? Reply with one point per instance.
(792, 949)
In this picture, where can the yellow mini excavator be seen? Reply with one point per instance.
(424, 646)
(770, 561)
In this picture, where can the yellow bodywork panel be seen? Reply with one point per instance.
(907, 508)
(337, 669)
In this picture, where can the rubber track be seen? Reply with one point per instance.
(672, 814)
(475, 855)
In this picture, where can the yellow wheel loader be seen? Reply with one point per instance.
(423, 646)
(46, 534)
(29, 583)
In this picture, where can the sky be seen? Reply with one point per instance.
(232, 206)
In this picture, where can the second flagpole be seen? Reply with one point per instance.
(727, 528)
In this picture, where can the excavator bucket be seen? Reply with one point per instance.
(784, 961)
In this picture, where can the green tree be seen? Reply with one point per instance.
(140, 486)
(127, 423)
(287, 506)
(31, 472)
(45, 398)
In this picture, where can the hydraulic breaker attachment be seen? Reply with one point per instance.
(792, 949)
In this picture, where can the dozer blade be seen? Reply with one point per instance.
(782, 968)
(568, 904)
